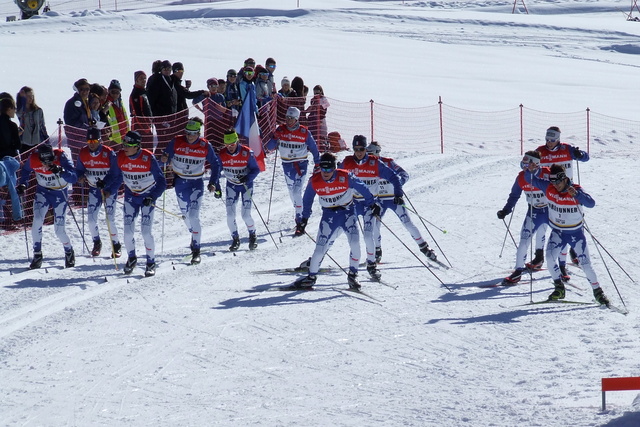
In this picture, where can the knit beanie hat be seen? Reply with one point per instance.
(115, 84)
(285, 81)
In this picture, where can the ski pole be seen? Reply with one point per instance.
(273, 178)
(416, 256)
(164, 172)
(413, 211)
(106, 216)
(327, 254)
(507, 233)
(259, 214)
(158, 207)
(82, 205)
(24, 226)
(428, 231)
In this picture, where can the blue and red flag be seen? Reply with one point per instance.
(247, 126)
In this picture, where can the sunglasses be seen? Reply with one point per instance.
(359, 149)
(249, 73)
(93, 141)
(271, 66)
(232, 75)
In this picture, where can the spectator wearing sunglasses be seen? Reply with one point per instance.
(187, 155)
(76, 109)
(336, 189)
(270, 65)
(554, 151)
(248, 63)
(264, 86)
(144, 182)
(535, 221)
(370, 170)
(95, 161)
(567, 227)
(247, 80)
(183, 92)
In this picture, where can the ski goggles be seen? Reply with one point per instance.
(527, 160)
(557, 178)
(327, 166)
(93, 141)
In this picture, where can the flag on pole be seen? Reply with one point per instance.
(247, 125)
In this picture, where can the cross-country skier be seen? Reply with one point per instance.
(95, 161)
(144, 182)
(567, 226)
(387, 201)
(369, 169)
(335, 189)
(240, 168)
(54, 172)
(554, 151)
(536, 220)
(188, 154)
(294, 142)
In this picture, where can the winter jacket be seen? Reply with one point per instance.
(34, 127)
(162, 95)
(77, 112)
(9, 137)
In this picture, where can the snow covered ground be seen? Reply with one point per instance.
(87, 346)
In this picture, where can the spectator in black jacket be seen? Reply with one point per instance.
(161, 91)
(76, 111)
(183, 91)
(9, 131)
(140, 109)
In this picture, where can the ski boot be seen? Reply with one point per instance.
(599, 295)
(195, 256)
(130, 265)
(378, 254)
(372, 269)
(253, 241)
(304, 265)
(558, 292)
(69, 259)
(425, 249)
(117, 250)
(305, 283)
(300, 226)
(574, 257)
(513, 278)
(37, 261)
(150, 270)
(235, 244)
(536, 262)
(352, 280)
(97, 247)
(563, 272)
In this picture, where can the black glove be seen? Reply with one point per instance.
(147, 201)
(375, 209)
(577, 153)
(502, 213)
(99, 183)
(398, 200)
(57, 169)
(21, 188)
(242, 179)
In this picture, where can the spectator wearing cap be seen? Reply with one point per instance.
(264, 86)
(294, 142)
(54, 173)
(370, 170)
(215, 113)
(232, 95)
(286, 91)
(247, 80)
(102, 93)
(117, 113)
(144, 182)
(94, 162)
(76, 110)
(248, 63)
(187, 154)
(316, 118)
(183, 92)
(140, 109)
(240, 168)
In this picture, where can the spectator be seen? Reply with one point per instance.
(94, 108)
(32, 121)
(9, 131)
(232, 94)
(247, 80)
(76, 111)
(299, 101)
(316, 119)
(118, 120)
(140, 109)
(183, 92)
(216, 115)
(102, 93)
(286, 91)
(270, 65)
(264, 87)
(248, 63)
(161, 91)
